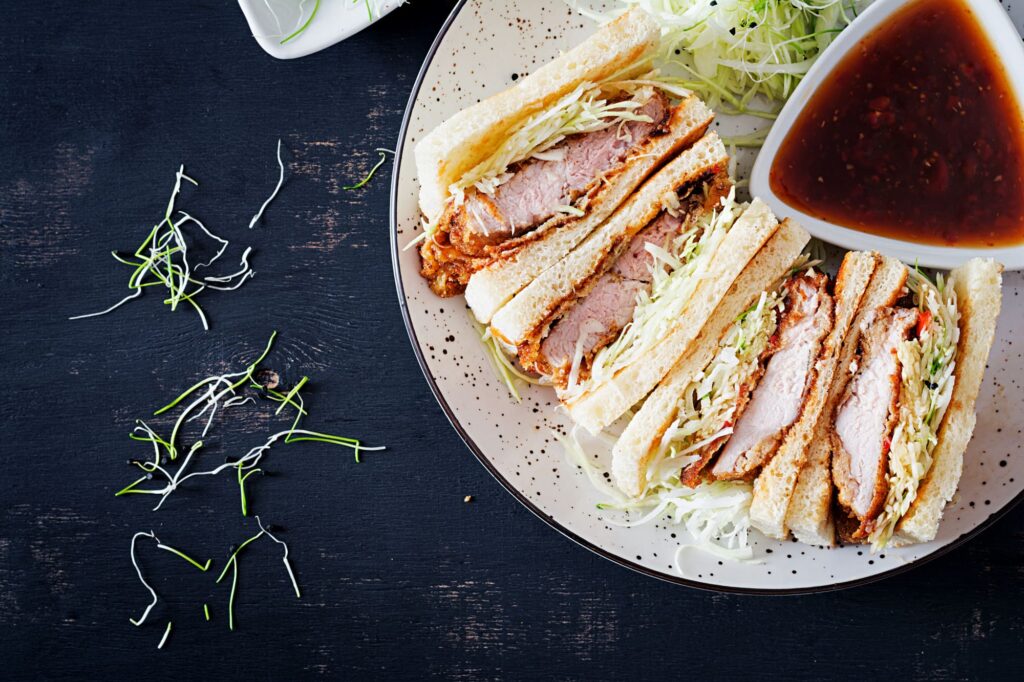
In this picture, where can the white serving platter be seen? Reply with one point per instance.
(482, 48)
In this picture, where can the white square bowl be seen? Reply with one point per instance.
(271, 20)
(1006, 42)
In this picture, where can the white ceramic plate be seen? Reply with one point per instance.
(272, 20)
(1006, 41)
(482, 49)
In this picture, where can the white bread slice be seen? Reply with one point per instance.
(809, 516)
(470, 136)
(774, 486)
(524, 316)
(494, 285)
(601, 404)
(978, 286)
(638, 443)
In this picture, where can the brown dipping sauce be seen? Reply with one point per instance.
(915, 135)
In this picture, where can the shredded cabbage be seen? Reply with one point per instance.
(504, 368)
(716, 515)
(731, 51)
(706, 408)
(676, 270)
(925, 391)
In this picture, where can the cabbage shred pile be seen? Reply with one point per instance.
(715, 514)
(732, 51)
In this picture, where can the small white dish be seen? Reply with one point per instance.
(273, 20)
(1006, 42)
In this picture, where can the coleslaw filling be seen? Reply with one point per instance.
(926, 386)
(706, 408)
(677, 270)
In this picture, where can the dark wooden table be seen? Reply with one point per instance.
(401, 578)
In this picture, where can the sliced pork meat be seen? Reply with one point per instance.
(779, 396)
(598, 317)
(538, 187)
(635, 263)
(867, 415)
(693, 474)
(593, 320)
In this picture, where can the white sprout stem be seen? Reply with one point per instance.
(138, 292)
(208, 395)
(186, 270)
(188, 458)
(298, 20)
(211, 398)
(287, 565)
(167, 633)
(209, 422)
(249, 461)
(155, 464)
(145, 428)
(246, 272)
(172, 483)
(142, 579)
(280, 181)
(223, 242)
(280, 31)
(178, 177)
(212, 403)
(202, 315)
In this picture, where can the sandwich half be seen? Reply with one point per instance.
(509, 185)
(562, 320)
(691, 409)
(809, 516)
(775, 485)
(666, 322)
(747, 393)
(906, 411)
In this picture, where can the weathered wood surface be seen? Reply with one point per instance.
(100, 103)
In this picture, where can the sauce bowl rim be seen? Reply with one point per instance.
(1006, 43)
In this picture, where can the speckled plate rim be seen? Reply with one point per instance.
(512, 490)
